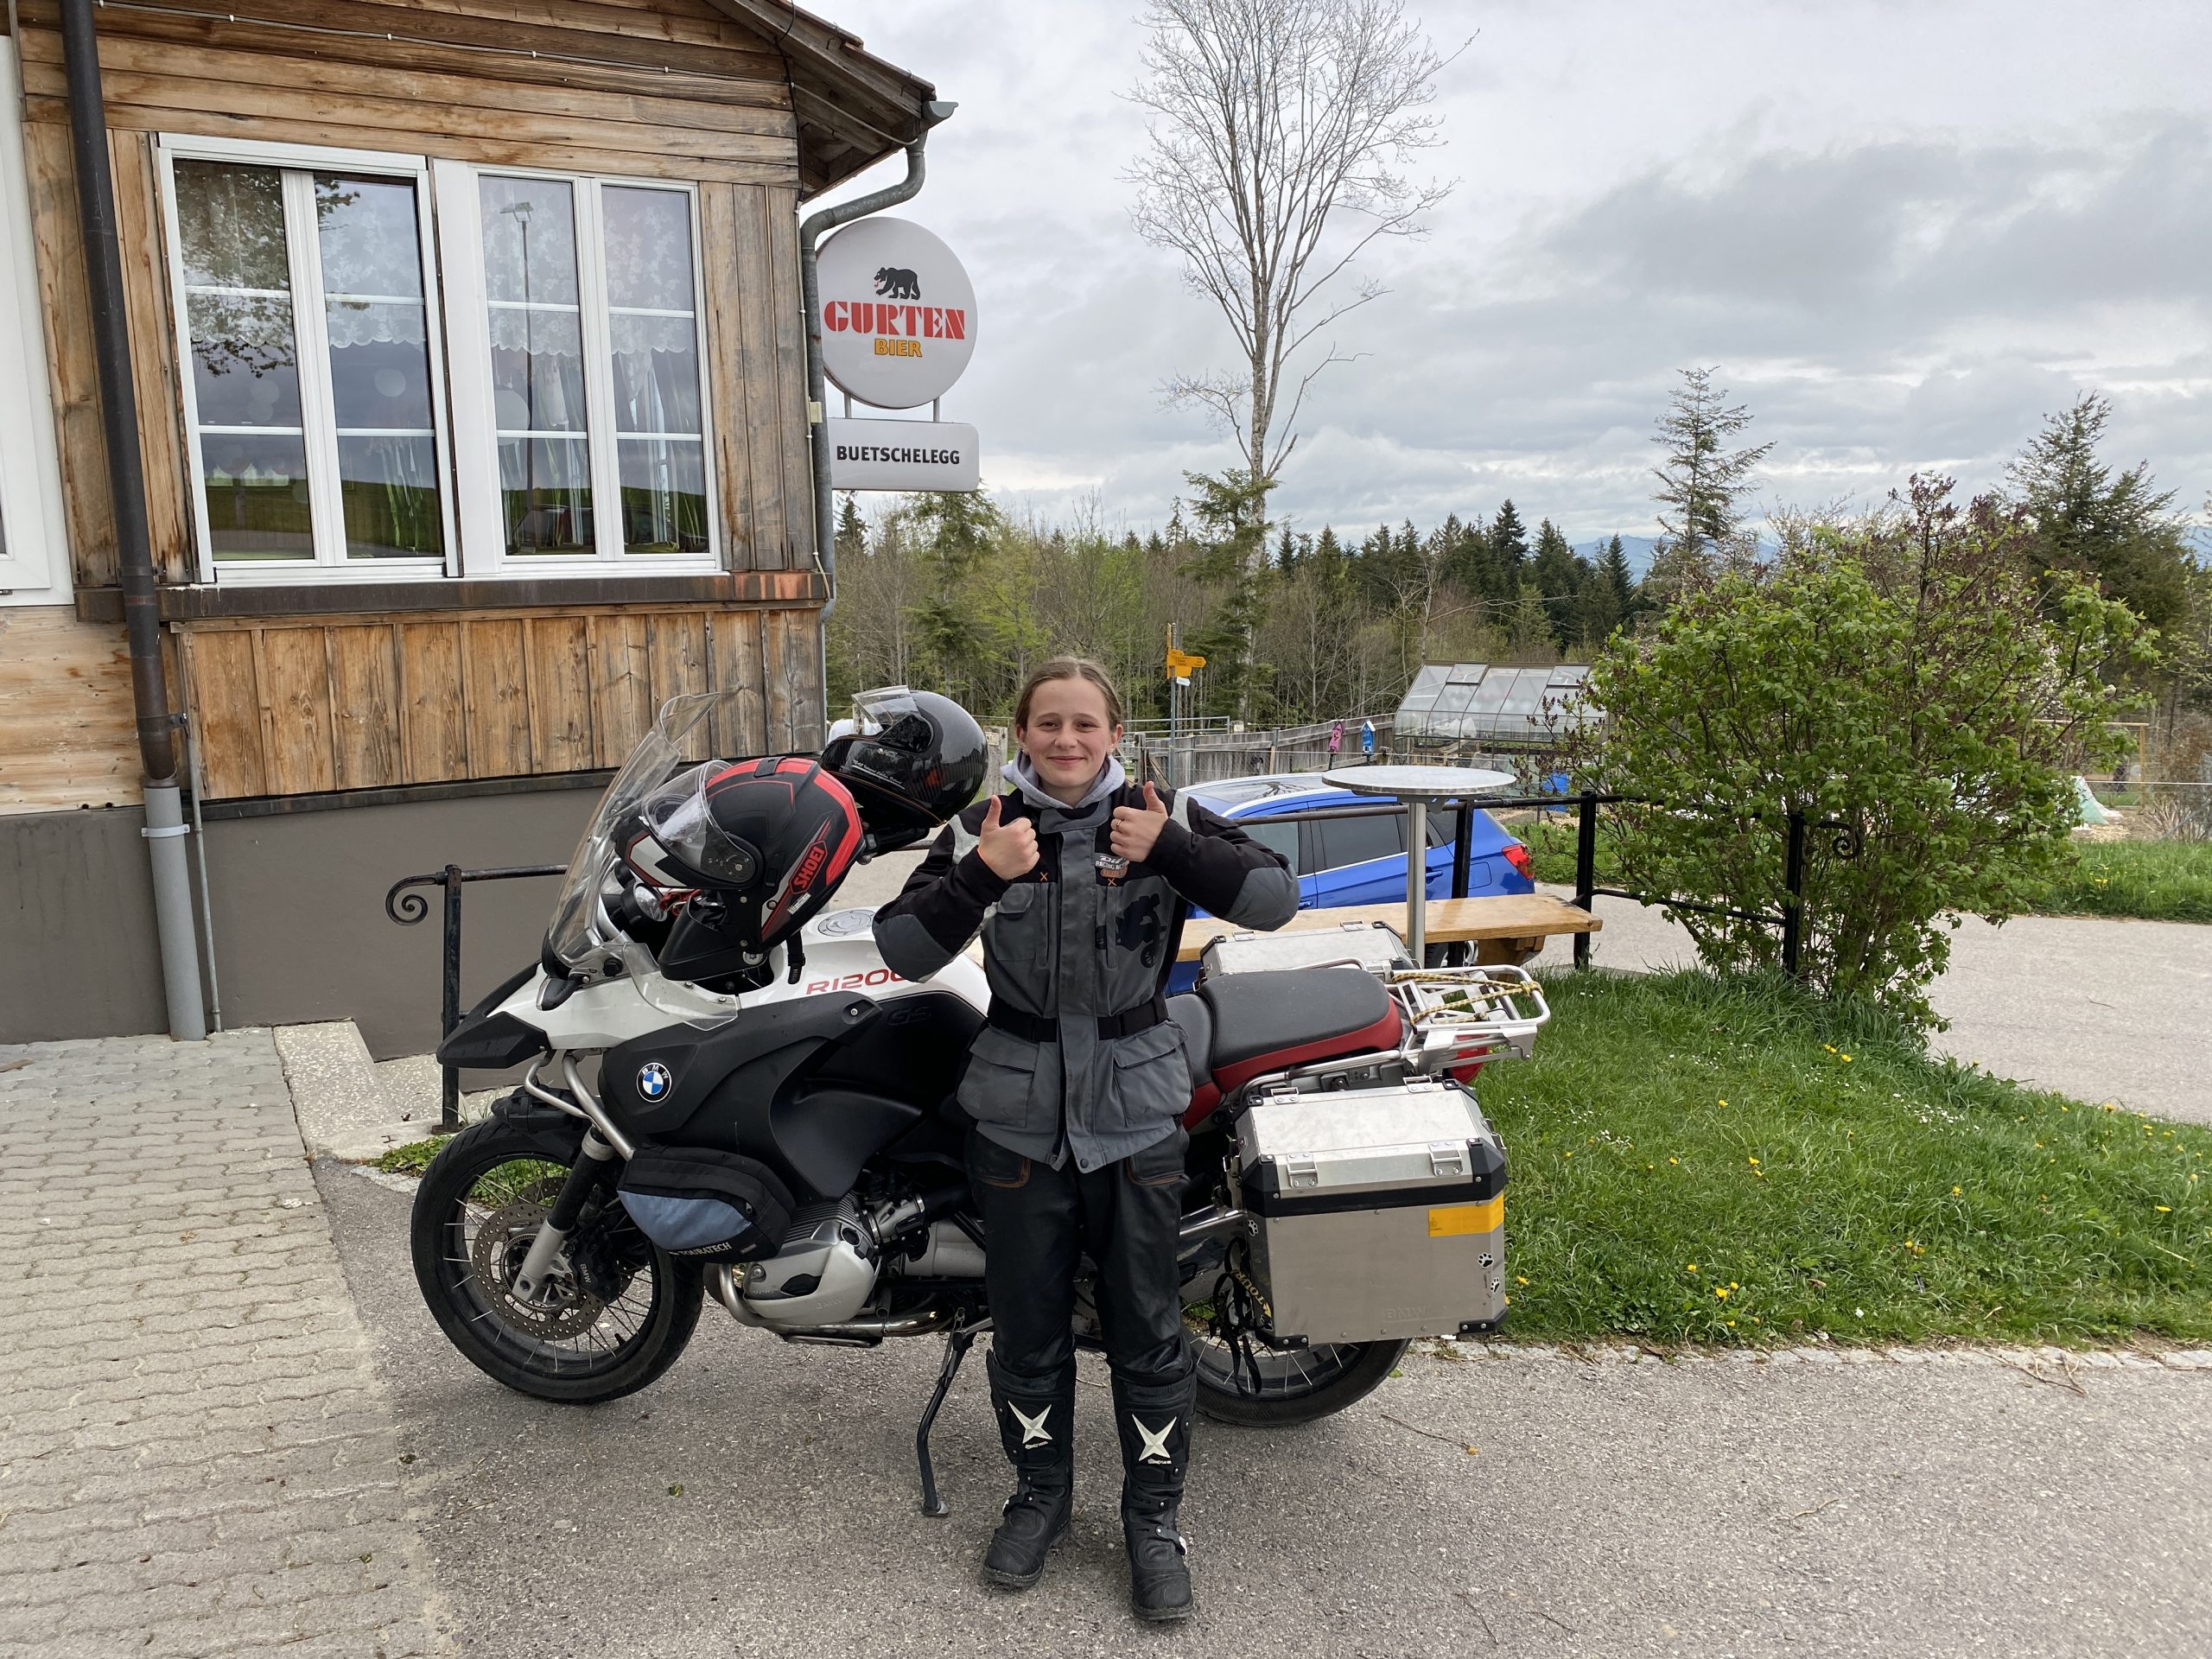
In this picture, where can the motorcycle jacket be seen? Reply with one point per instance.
(1079, 1057)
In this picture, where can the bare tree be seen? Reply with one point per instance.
(1269, 166)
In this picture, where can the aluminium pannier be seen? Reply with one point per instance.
(1381, 1211)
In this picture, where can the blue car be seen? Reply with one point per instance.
(1356, 860)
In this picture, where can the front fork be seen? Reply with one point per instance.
(547, 1247)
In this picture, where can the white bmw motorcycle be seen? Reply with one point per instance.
(775, 1128)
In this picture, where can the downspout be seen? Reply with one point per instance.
(165, 827)
(809, 232)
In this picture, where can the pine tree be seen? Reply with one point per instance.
(1508, 555)
(1559, 576)
(2119, 528)
(852, 530)
(1702, 484)
(1612, 565)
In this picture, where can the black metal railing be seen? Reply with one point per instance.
(1790, 918)
(408, 908)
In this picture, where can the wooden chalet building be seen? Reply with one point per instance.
(468, 354)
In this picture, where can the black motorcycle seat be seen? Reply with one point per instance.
(1195, 1020)
(1294, 1010)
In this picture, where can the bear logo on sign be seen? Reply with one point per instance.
(894, 283)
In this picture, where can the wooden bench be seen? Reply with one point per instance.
(1505, 928)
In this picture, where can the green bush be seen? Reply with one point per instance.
(1905, 679)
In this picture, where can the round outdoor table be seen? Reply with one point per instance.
(1417, 786)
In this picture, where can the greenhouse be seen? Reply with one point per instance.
(1458, 703)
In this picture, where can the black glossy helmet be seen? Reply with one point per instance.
(913, 760)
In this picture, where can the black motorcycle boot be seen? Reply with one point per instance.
(1155, 1425)
(1035, 1417)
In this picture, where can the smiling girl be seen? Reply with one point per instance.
(1079, 882)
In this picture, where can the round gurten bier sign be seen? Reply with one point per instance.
(897, 313)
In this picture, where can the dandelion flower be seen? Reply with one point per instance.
(1691, 1268)
(1721, 1290)
(1753, 1162)
(1518, 1279)
(1673, 1161)
(1956, 1192)
(1846, 1059)
(2165, 1209)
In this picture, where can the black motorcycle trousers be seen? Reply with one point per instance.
(1039, 1221)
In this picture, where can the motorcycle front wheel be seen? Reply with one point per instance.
(589, 1336)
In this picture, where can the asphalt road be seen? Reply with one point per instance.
(1947, 1506)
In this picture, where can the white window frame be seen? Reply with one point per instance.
(35, 557)
(317, 418)
(483, 533)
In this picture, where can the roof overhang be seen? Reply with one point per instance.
(853, 109)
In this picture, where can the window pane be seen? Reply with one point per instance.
(368, 237)
(648, 248)
(256, 493)
(388, 487)
(545, 490)
(246, 369)
(537, 372)
(656, 373)
(1355, 841)
(379, 366)
(664, 496)
(367, 231)
(1276, 838)
(530, 241)
(230, 222)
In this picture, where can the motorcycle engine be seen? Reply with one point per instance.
(824, 1273)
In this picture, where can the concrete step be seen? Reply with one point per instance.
(352, 1110)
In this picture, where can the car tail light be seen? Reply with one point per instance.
(1517, 857)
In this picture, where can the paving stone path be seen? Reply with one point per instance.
(196, 1456)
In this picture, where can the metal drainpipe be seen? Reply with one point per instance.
(165, 827)
(810, 228)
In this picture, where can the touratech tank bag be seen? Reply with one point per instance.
(698, 1201)
(1381, 1211)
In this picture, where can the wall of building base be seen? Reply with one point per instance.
(300, 932)
(77, 950)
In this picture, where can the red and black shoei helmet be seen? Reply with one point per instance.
(769, 838)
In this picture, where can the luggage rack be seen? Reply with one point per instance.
(1457, 1015)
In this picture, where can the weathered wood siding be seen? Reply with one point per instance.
(302, 705)
(67, 734)
(673, 90)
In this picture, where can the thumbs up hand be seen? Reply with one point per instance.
(1010, 849)
(1136, 829)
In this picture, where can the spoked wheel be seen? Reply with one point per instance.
(612, 1315)
(1244, 1380)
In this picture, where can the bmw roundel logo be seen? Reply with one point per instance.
(653, 1080)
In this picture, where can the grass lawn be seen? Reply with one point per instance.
(1695, 1161)
(2159, 881)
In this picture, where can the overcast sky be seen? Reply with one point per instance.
(1901, 232)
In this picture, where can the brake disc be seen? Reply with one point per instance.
(564, 1310)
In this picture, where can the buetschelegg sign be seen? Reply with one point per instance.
(902, 455)
(898, 330)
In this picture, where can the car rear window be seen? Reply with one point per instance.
(1356, 841)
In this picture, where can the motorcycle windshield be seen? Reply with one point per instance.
(691, 731)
